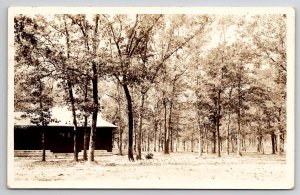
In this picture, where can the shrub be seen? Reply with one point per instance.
(149, 156)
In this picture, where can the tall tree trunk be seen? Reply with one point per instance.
(70, 89)
(148, 143)
(85, 139)
(214, 143)
(205, 140)
(43, 144)
(218, 139)
(282, 141)
(228, 135)
(139, 155)
(199, 121)
(278, 143)
(85, 136)
(120, 122)
(239, 118)
(207, 145)
(228, 124)
(142, 141)
(71, 97)
(95, 112)
(155, 136)
(192, 144)
(218, 123)
(166, 134)
(125, 145)
(279, 133)
(238, 147)
(273, 140)
(245, 144)
(135, 135)
(200, 143)
(232, 140)
(130, 122)
(169, 137)
(42, 120)
(120, 141)
(263, 145)
(177, 143)
(259, 144)
(159, 138)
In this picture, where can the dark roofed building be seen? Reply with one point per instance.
(59, 134)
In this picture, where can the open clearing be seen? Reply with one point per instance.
(175, 166)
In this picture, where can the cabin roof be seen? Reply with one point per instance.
(62, 117)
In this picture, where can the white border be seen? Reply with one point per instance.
(287, 182)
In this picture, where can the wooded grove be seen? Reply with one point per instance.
(171, 83)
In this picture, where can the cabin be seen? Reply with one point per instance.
(59, 134)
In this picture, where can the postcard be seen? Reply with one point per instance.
(151, 97)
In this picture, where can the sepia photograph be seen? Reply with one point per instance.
(151, 97)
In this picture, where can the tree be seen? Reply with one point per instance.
(34, 87)
(133, 50)
(129, 45)
(269, 36)
(113, 91)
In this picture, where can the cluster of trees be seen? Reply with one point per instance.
(164, 80)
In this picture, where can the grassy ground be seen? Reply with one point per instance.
(180, 167)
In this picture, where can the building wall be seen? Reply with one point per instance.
(59, 139)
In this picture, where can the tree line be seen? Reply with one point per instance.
(164, 80)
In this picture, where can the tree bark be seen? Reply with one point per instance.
(70, 89)
(177, 141)
(139, 155)
(85, 139)
(42, 120)
(239, 118)
(43, 144)
(228, 125)
(214, 143)
(207, 145)
(228, 135)
(120, 126)
(142, 141)
(148, 143)
(166, 134)
(258, 144)
(200, 143)
(279, 133)
(95, 112)
(159, 138)
(282, 141)
(155, 136)
(135, 135)
(218, 123)
(169, 137)
(192, 144)
(71, 97)
(120, 141)
(85, 136)
(262, 145)
(273, 140)
(130, 122)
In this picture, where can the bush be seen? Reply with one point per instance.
(149, 156)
